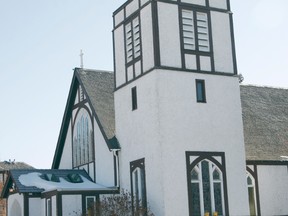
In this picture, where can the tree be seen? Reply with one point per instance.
(117, 205)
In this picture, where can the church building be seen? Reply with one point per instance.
(171, 124)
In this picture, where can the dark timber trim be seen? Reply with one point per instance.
(26, 204)
(76, 81)
(155, 25)
(176, 70)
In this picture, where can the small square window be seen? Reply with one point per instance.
(134, 98)
(200, 91)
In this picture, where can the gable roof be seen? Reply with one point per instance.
(34, 181)
(265, 119)
(98, 85)
(9, 165)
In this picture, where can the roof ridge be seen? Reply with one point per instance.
(264, 86)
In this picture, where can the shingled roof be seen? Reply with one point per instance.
(99, 87)
(11, 165)
(265, 119)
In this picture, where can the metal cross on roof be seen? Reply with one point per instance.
(81, 59)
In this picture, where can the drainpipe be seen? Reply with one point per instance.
(117, 174)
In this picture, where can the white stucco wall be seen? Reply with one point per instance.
(215, 126)
(169, 122)
(15, 205)
(103, 159)
(273, 189)
(137, 132)
(71, 204)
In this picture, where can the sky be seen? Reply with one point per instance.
(40, 43)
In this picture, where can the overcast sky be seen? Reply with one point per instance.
(40, 42)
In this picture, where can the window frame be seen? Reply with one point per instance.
(250, 174)
(136, 42)
(94, 203)
(83, 138)
(196, 54)
(134, 98)
(195, 27)
(202, 92)
(216, 161)
(48, 207)
(135, 167)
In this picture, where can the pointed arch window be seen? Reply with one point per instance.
(138, 187)
(206, 186)
(252, 194)
(82, 139)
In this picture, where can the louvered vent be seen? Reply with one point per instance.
(202, 32)
(188, 29)
(129, 44)
(136, 35)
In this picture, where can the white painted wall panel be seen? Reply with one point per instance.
(205, 63)
(147, 38)
(132, 7)
(190, 62)
(197, 2)
(15, 205)
(54, 206)
(71, 204)
(120, 57)
(66, 159)
(137, 66)
(104, 159)
(222, 44)
(36, 207)
(222, 4)
(273, 189)
(169, 36)
(119, 17)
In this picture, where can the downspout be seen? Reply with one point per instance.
(117, 174)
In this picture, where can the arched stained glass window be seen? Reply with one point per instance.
(206, 189)
(82, 139)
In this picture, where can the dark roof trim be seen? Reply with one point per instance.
(5, 189)
(65, 123)
(267, 162)
(111, 143)
(76, 81)
(83, 192)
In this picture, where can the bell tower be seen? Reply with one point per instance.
(177, 106)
